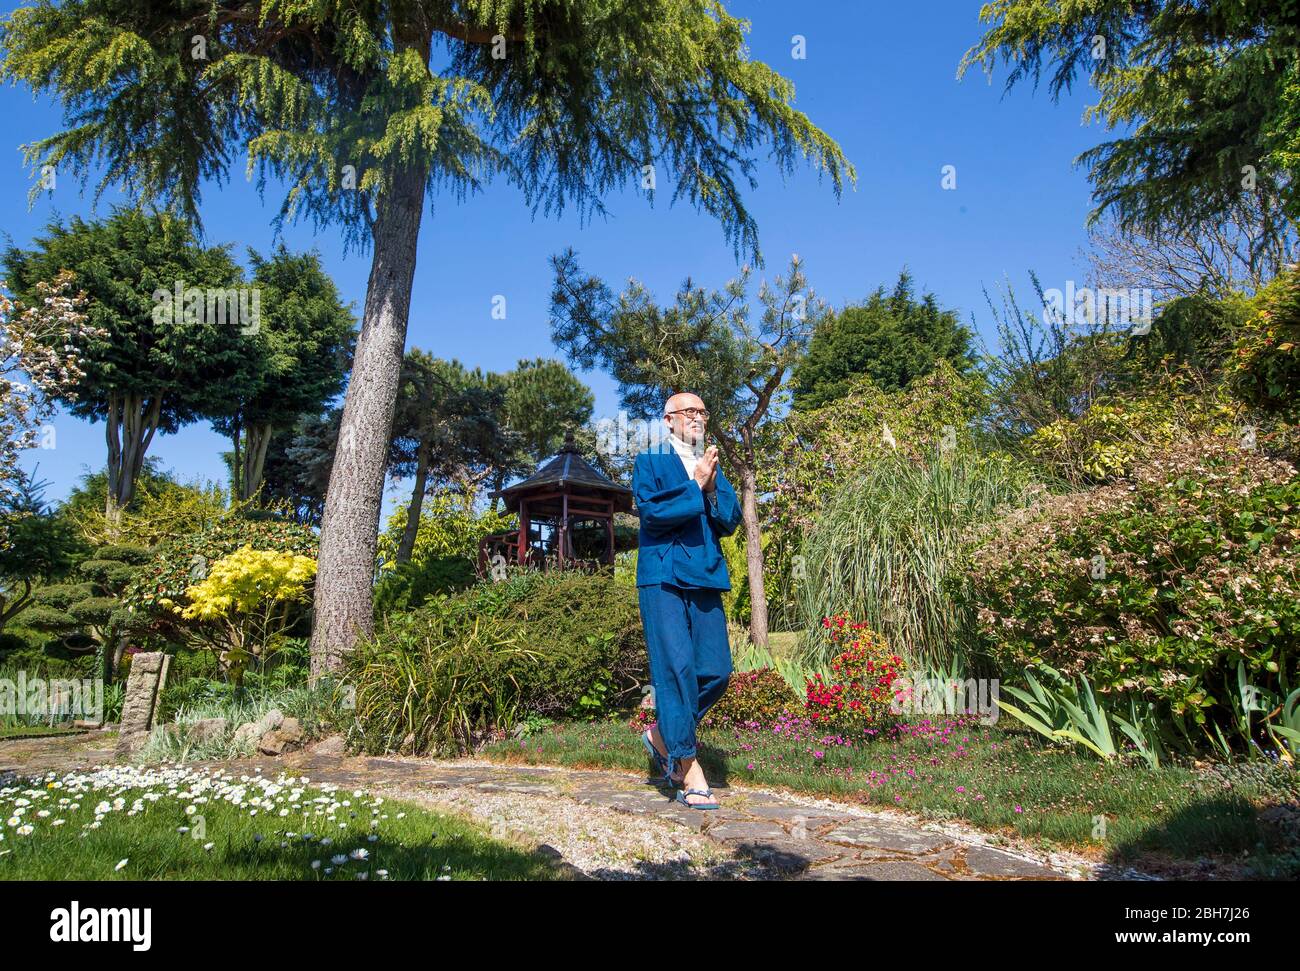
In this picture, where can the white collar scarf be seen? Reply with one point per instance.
(689, 454)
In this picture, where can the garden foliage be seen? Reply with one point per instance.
(1155, 585)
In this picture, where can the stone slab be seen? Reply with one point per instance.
(732, 829)
(983, 861)
(890, 870)
(885, 836)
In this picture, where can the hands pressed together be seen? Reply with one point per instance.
(706, 469)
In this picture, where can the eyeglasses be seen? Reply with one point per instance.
(691, 413)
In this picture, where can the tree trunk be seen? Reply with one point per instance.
(257, 440)
(499, 503)
(112, 430)
(129, 428)
(407, 546)
(237, 461)
(116, 653)
(11, 605)
(344, 608)
(753, 555)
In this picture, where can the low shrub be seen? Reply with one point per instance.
(448, 528)
(409, 585)
(243, 605)
(178, 564)
(588, 632)
(474, 663)
(1117, 431)
(1264, 366)
(246, 603)
(34, 651)
(757, 696)
(1155, 585)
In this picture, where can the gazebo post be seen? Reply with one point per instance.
(523, 532)
(564, 529)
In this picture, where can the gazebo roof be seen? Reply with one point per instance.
(567, 471)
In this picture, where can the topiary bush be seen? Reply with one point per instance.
(1155, 585)
(88, 613)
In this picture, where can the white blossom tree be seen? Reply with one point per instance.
(39, 360)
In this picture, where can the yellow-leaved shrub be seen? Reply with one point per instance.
(245, 602)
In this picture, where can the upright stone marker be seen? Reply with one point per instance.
(143, 686)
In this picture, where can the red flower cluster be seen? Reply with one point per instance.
(860, 692)
(642, 719)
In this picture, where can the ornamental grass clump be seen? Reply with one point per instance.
(887, 549)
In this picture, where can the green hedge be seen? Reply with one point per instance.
(410, 585)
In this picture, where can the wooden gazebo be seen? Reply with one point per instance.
(566, 516)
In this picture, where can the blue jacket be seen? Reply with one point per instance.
(680, 528)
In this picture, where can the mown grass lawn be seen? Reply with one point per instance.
(998, 779)
(128, 823)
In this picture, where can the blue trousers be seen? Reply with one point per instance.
(690, 659)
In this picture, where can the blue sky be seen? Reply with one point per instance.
(880, 78)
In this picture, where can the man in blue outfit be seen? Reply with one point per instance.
(686, 505)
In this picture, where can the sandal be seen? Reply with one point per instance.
(661, 763)
(681, 797)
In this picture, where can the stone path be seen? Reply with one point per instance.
(585, 818)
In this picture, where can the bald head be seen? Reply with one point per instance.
(683, 399)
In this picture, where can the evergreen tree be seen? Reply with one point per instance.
(893, 339)
(154, 364)
(705, 343)
(1207, 93)
(295, 362)
(446, 419)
